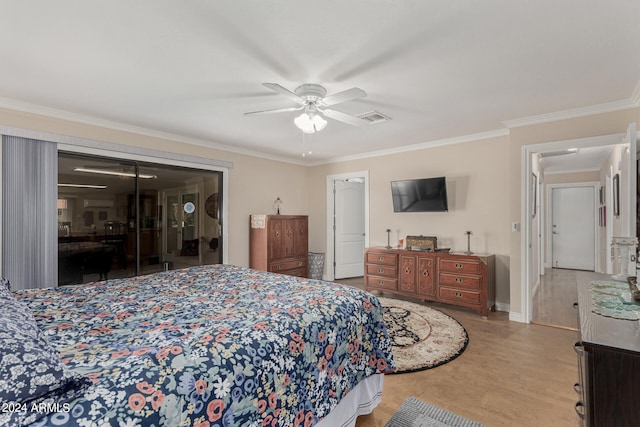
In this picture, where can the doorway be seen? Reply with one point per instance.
(628, 192)
(347, 224)
(348, 227)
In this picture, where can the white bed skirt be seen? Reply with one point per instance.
(362, 400)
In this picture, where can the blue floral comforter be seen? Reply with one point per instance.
(211, 346)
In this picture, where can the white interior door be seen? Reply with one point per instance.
(349, 220)
(573, 228)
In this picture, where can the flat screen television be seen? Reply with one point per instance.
(420, 195)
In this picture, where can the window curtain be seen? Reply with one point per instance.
(29, 212)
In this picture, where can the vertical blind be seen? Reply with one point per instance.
(29, 212)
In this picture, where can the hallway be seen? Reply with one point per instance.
(552, 302)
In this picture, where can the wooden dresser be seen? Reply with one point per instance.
(279, 244)
(608, 351)
(464, 280)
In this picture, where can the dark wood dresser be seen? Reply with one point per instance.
(279, 244)
(452, 278)
(608, 351)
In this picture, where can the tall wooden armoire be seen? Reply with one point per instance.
(279, 244)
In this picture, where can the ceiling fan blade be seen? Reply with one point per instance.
(284, 91)
(345, 118)
(345, 95)
(277, 110)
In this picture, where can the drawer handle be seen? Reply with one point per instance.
(299, 263)
(380, 258)
(578, 388)
(279, 267)
(580, 410)
(459, 294)
(458, 279)
(458, 266)
(407, 271)
(277, 234)
(381, 270)
(380, 282)
(425, 273)
(579, 348)
(289, 233)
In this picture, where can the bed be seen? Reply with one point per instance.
(206, 346)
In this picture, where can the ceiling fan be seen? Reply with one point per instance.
(313, 100)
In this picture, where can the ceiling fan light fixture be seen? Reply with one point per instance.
(310, 122)
(318, 122)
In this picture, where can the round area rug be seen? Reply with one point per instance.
(422, 337)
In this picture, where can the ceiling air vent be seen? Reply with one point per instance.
(374, 117)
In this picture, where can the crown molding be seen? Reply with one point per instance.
(574, 113)
(420, 146)
(570, 171)
(123, 127)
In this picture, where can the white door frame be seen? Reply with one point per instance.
(542, 223)
(608, 217)
(549, 230)
(527, 151)
(330, 251)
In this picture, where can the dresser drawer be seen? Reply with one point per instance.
(298, 272)
(471, 266)
(288, 264)
(382, 258)
(460, 281)
(457, 295)
(382, 270)
(382, 283)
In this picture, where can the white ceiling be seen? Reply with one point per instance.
(440, 69)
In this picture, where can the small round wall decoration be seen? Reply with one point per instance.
(189, 207)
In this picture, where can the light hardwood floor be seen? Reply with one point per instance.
(511, 374)
(554, 297)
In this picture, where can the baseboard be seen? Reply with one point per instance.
(500, 306)
(515, 317)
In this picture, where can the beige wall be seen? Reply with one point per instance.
(484, 183)
(253, 182)
(477, 184)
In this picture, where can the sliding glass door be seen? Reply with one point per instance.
(120, 219)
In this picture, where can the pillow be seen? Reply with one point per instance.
(30, 368)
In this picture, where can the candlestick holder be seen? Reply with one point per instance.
(468, 233)
(388, 239)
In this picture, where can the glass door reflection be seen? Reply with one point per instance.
(123, 218)
(182, 242)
